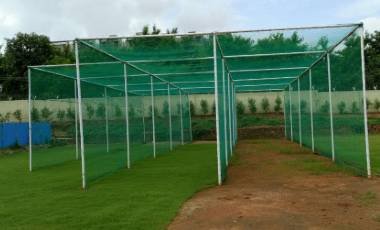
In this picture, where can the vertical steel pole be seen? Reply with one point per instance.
(284, 114)
(106, 116)
(229, 111)
(153, 117)
(217, 111)
(143, 121)
(76, 120)
(224, 113)
(170, 120)
(181, 113)
(290, 112)
(30, 119)
(299, 113)
(190, 128)
(331, 112)
(311, 110)
(80, 115)
(127, 115)
(365, 103)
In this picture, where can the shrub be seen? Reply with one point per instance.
(341, 107)
(90, 111)
(369, 103)
(303, 106)
(7, 116)
(192, 108)
(118, 112)
(61, 114)
(376, 104)
(252, 105)
(240, 108)
(46, 113)
(278, 102)
(265, 104)
(165, 109)
(35, 114)
(17, 115)
(101, 111)
(213, 108)
(204, 107)
(325, 107)
(131, 112)
(70, 114)
(354, 107)
(156, 111)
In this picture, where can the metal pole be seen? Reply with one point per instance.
(290, 112)
(299, 113)
(170, 120)
(30, 120)
(76, 120)
(331, 112)
(217, 112)
(143, 122)
(311, 110)
(180, 110)
(229, 113)
(224, 113)
(106, 116)
(365, 105)
(285, 117)
(127, 116)
(190, 128)
(153, 115)
(80, 115)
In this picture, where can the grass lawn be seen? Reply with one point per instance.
(374, 143)
(147, 196)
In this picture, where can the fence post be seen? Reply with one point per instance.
(153, 117)
(331, 112)
(299, 113)
(311, 110)
(170, 120)
(127, 115)
(30, 120)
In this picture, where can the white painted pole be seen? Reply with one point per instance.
(30, 120)
(170, 119)
(311, 111)
(284, 114)
(299, 113)
(217, 112)
(190, 124)
(127, 116)
(143, 122)
(106, 116)
(180, 110)
(229, 112)
(367, 151)
(76, 120)
(224, 113)
(80, 115)
(153, 117)
(331, 112)
(290, 112)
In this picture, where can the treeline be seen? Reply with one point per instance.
(32, 49)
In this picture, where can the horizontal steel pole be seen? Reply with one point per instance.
(267, 70)
(170, 60)
(239, 86)
(274, 54)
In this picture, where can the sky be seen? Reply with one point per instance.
(70, 19)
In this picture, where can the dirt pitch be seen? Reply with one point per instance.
(274, 184)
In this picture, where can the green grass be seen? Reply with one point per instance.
(147, 196)
(374, 143)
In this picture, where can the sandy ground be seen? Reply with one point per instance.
(273, 186)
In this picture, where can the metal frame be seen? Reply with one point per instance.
(127, 115)
(106, 119)
(331, 109)
(30, 121)
(170, 120)
(299, 113)
(291, 112)
(76, 120)
(311, 111)
(153, 116)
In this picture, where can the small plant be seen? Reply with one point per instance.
(90, 111)
(70, 114)
(204, 107)
(165, 109)
(325, 108)
(341, 107)
(156, 111)
(35, 114)
(369, 103)
(252, 105)
(192, 108)
(61, 115)
(278, 102)
(376, 105)
(118, 112)
(303, 106)
(240, 108)
(131, 112)
(354, 107)
(17, 115)
(7, 117)
(101, 111)
(46, 113)
(265, 104)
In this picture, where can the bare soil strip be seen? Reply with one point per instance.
(274, 184)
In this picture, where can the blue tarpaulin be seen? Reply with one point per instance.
(16, 134)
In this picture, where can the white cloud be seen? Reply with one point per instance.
(371, 24)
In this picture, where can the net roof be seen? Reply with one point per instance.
(256, 60)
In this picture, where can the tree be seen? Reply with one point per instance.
(341, 107)
(101, 110)
(240, 108)
(90, 111)
(277, 107)
(252, 105)
(21, 51)
(265, 104)
(377, 104)
(118, 112)
(46, 113)
(17, 115)
(204, 107)
(35, 114)
(372, 52)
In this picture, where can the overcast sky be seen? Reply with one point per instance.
(68, 19)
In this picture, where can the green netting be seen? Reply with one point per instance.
(305, 103)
